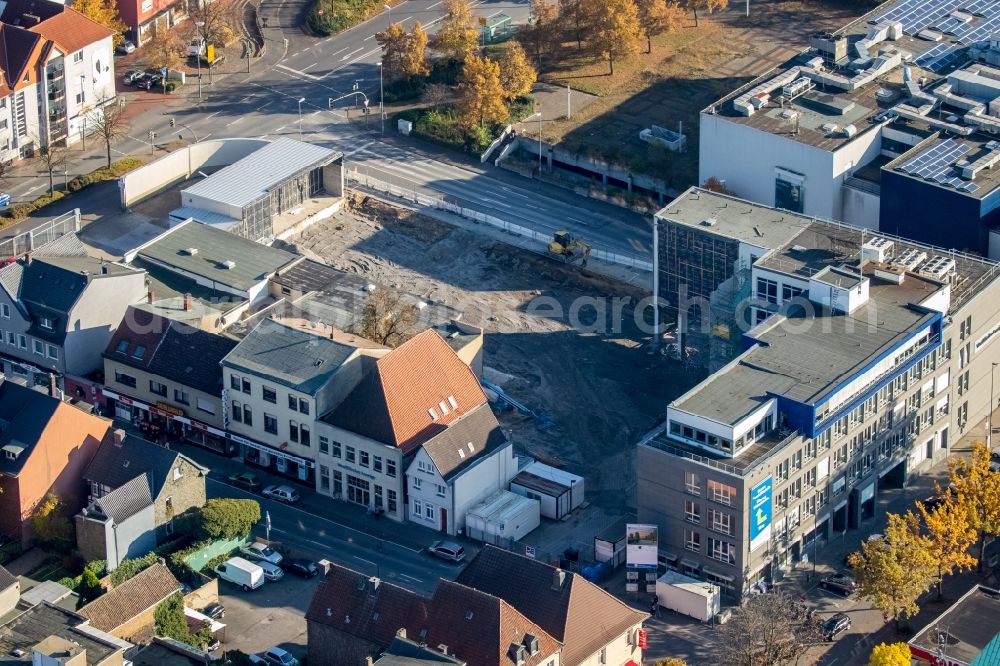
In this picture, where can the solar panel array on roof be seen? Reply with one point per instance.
(917, 15)
(938, 164)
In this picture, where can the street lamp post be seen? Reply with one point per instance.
(199, 24)
(301, 99)
(540, 163)
(381, 92)
(989, 415)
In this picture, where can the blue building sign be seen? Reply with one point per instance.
(760, 513)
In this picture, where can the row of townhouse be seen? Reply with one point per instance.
(57, 73)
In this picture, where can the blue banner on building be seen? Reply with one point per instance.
(760, 513)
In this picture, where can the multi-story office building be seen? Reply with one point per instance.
(864, 357)
(881, 124)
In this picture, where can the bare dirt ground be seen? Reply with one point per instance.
(598, 390)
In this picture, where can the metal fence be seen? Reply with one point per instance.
(512, 545)
(410, 191)
(57, 227)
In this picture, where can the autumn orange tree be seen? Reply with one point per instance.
(894, 570)
(977, 488)
(516, 73)
(576, 16)
(657, 17)
(457, 37)
(393, 42)
(482, 93)
(708, 6)
(616, 29)
(104, 12)
(415, 60)
(949, 527)
(164, 49)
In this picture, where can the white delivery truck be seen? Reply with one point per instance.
(241, 572)
(688, 596)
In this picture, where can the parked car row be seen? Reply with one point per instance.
(259, 563)
(252, 484)
(275, 656)
(147, 80)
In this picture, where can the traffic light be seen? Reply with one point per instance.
(172, 122)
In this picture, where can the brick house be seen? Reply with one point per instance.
(176, 483)
(594, 627)
(354, 618)
(126, 611)
(45, 445)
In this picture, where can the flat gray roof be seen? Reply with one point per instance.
(733, 218)
(250, 178)
(253, 261)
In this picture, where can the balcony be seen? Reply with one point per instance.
(57, 95)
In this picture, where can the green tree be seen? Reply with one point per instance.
(657, 17)
(104, 12)
(482, 94)
(229, 518)
(976, 487)
(890, 654)
(708, 6)
(516, 73)
(616, 30)
(90, 586)
(949, 527)
(50, 524)
(131, 566)
(169, 619)
(457, 37)
(893, 571)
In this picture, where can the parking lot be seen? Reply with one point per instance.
(272, 615)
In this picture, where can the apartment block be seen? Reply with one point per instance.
(862, 358)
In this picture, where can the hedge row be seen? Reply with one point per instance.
(20, 211)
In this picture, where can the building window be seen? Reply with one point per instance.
(390, 468)
(181, 397)
(441, 490)
(5, 313)
(11, 339)
(157, 388)
(723, 551)
(247, 415)
(246, 385)
(293, 403)
(377, 463)
(789, 292)
(390, 501)
(338, 484)
(336, 450)
(350, 454)
(39, 347)
(269, 394)
(78, 56)
(303, 406)
(363, 458)
(304, 437)
(721, 493)
(767, 290)
(788, 195)
(234, 382)
(125, 380)
(324, 477)
(602, 657)
(418, 508)
(237, 411)
(430, 511)
(324, 444)
(293, 431)
(692, 512)
(417, 482)
(22, 343)
(52, 352)
(719, 521)
(692, 483)
(270, 424)
(46, 323)
(692, 541)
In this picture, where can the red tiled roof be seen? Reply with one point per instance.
(71, 31)
(138, 594)
(138, 328)
(394, 403)
(478, 628)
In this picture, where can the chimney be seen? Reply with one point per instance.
(401, 632)
(324, 566)
(27, 258)
(369, 661)
(104, 268)
(119, 435)
(187, 302)
(53, 389)
(558, 577)
(150, 298)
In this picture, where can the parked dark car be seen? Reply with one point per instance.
(150, 81)
(300, 567)
(131, 76)
(839, 583)
(835, 624)
(246, 481)
(215, 611)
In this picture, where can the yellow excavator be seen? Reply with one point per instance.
(568, 248)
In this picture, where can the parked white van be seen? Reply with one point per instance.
(197, 47)
(241, 572)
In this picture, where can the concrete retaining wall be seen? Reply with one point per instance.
(179, 165)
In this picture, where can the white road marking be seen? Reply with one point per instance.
(350, 54)
(368, 37)
(299, 73)
(309, 66)
(340, 51)
(212, 115)
(436, 4)
(410, 578)
(233, 122)
(36, 187)
(361, 559)
(316, 111)
(358, 150)
(494, 14)
(279, 129)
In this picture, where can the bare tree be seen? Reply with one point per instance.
(53, 159)
(108, 122)
(218, 21)
(768, 629)
(385, 318)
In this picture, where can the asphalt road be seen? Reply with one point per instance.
(292, 99)
(317, 537)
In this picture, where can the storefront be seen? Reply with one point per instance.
(164, 423)
(276, 460)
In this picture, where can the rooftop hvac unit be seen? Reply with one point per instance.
(796, 87)
(191, 251)
(788, 114)
(938, 267)
(910, 259)
(877, 249)
(829, 128)
(229, 264)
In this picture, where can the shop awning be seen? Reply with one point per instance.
(271, 451)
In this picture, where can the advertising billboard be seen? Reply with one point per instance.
(760, 513)
(641, 546)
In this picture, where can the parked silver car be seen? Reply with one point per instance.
(447, 550)
(285, 494)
